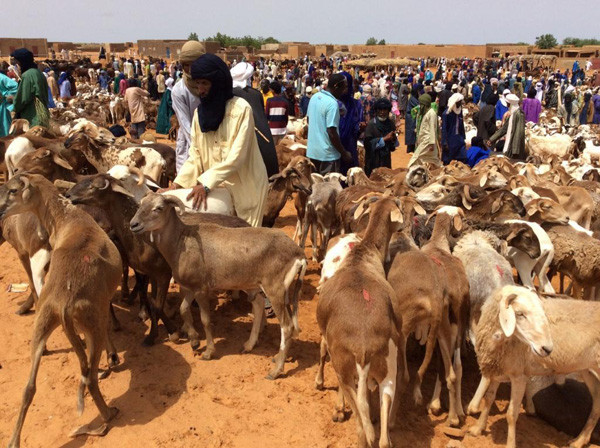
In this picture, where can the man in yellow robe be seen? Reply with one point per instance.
(428, 145)
(223, 150)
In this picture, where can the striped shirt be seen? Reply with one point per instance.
(276, 111)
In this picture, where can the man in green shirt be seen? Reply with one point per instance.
(31, 101)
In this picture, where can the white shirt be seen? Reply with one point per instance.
(185, 104)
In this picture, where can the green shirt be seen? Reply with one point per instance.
(33, 84)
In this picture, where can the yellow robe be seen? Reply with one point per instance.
(427, 150)
(229, 157)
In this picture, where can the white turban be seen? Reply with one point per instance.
(455, 98)
(241, 73)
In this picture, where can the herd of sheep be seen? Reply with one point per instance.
(426, 253)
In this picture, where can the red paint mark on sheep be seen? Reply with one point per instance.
(86, 258)
(351, 245)
(500, 271)
(366, 296)
(435, 260)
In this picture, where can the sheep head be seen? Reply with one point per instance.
(44, 162)
(154, 212)
(521, 312)
(546, 210)
(96, 189)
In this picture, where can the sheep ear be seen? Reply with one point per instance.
(483, 180)
(317, 178)
(457, 223)
(361, 210)
(496, 205)
(466, 203)
(508, 320)
(429, 217)
(396, 216)
(274, 177)
(419, 210)
(61, 162)
(120, 189)
(26, 195)
(532, 210)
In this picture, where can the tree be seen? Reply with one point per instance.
(244, 41)
(546, 41)
(578, 42)
(381, 42)
(371, 41)
(193, 36)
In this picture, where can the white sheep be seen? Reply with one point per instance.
(15, 151)
(519, 336)
(218, 201)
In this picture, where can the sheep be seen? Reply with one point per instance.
(46, 163)
(205, 257)
(320, 213)
(486, 270)
(287, 150)
(520, 336)
(525, 194)
(133, 180)
(360, 328)
(336, 254)
(218, 201)
(85, 269)
(496, 206)
(449, 220)
(460, 195)
(576, 254)
(281, 187)
(97, 145)
(15, 151)
(346, 201)
(557, 144)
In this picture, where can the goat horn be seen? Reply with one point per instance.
(139, 173)
(467, 192)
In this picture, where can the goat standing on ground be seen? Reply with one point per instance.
(85, 269)
(205, 257)
(359, 328)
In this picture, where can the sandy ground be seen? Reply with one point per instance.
(170, 397)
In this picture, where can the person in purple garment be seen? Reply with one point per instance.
(532, 107)
(596, 101)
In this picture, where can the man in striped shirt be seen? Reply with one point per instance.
(276, 111)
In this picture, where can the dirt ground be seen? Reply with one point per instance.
(168, 396)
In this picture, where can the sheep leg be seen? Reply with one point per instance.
(486, 405)
(125, 294)
(314, 231)
(160, 286)
(446, 349)
(319, 380)
(429, 347)
(541, 270)
(340, 406)
(115, 324)
(586, 433)
(304, 235)
(350, 396)
(287, 330)
(112, 358)
(188, 321)
(517, 390)
(324, 242)
(458, 370)
(204, 303)
(258, 309)
(402, 380)
(45, 323)
(484, 384)
(141, 285)
(33, 296)
(387, 393)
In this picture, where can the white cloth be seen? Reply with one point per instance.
(455, 98)
(185, 104)
(241, 73)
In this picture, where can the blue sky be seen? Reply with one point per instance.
(316, 21)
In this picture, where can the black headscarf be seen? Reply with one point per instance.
(25, 59)
(386, 126)
(211, 110)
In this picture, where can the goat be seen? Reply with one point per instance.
(205, 257)
(320, 213)
(281, 187)
(85, 269)
(360, 328)
(452, 331)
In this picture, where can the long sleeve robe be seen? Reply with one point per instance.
(33, 85)
(427, 149)
(229, 157)
(8, 87)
